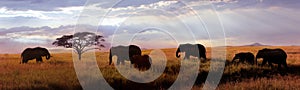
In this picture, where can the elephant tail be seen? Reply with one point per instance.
(177, 53)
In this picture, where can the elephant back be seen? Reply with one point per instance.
(27, 51)
(272, 53)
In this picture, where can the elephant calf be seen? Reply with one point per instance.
(34, 53)
(244, 56)
(142, 62)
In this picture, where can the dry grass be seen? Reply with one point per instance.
(59, 73)
(274, 83)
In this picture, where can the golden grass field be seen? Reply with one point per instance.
(58, 72)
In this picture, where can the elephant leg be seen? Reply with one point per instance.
(39, 59)
(242, 60)
(270, 63)
(199, 57)
(123, 62)
(188, 56)
(185, 57)
(130, 59)
(249, 61)
(264, 62)
(279, 66)
(24, 61)
(252, 61)
(285, 65)
(118, 61)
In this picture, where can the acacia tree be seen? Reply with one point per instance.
(80, 42)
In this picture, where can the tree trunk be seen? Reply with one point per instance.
(79, 56)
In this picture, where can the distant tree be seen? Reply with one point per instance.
(80, 41)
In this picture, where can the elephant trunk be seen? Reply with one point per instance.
(48, 56)
(204, 53)
(177, 53)
(233, 59)
(110, 57)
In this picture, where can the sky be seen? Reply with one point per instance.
(150, 23)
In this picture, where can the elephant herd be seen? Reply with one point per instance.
(133, 54)
(276, 56)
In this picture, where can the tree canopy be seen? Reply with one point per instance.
(80, 42)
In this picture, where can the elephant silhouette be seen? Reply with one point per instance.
(244, 56)
(124, 53)
(196, 50)
(35, 53)
(277, 56)
(142, 62)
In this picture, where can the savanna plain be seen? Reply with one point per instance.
(59, 73)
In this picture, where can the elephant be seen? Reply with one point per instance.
(35, 53)
(196, 50)
(277, 56)
(244, 56)
(124, 53)
(142, 62)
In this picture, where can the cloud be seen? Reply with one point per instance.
(18, 38)
(4, 13)
(249, 4)
(16, 18)
(157, 9)
(121, 4)
(39, 5)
